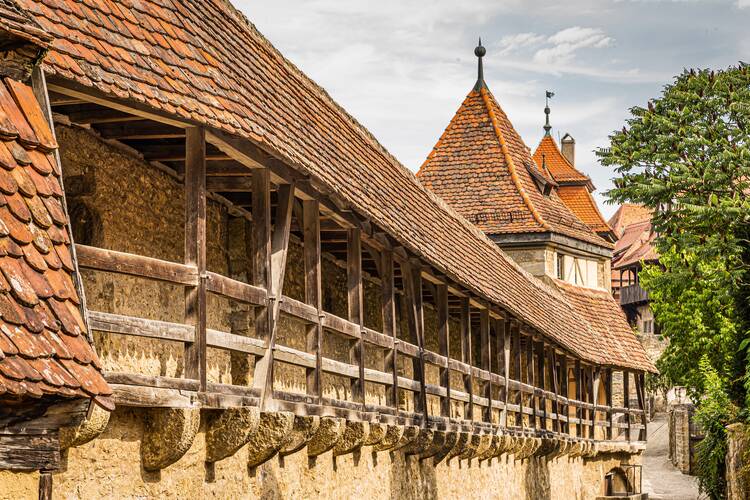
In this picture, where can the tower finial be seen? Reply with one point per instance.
(480, 51)
(547, 96)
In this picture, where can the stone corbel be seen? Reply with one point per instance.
(392, 438)
(325, 438)
(442, 441)
(419, 444)
(461, 439)
(352, 439)
(168, 434)
(485, 441)
(303, 430)
(491, 450)
(471, 446)
(93, 425)
(464, 442)
(229, 431)
(377, 433)
(266, 441)
(411, 432)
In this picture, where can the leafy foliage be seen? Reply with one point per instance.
(713, 415)
(687, 156)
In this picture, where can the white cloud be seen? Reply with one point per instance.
(565, 44)
(512, 43)
(743, 3)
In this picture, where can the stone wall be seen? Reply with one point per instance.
(683, 436)
(738, 469)
(110, 467)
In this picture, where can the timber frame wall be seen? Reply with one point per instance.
(522, 382)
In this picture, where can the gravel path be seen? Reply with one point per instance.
(660, 478)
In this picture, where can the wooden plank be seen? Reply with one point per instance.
(24, 452)
(236, 343)
(129, 325)
(531, 379)
(441, 302)
(506, 365)
(611, 414)
(195, 250)
(313, 292)
(579, 396)
(640, 381)
(263, 379)
(101, 259)
(234, 289)
(517, 370)
(565, 428)
(388, 313)
(45, 485)
(485, 350)
(626, 401)
(594, 383)
(412, 278)
(542, 381)
(554, 379)
(230, 184)
(466, 357)
(355, 308)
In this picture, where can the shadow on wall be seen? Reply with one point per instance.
(537, 479)
(411, 478)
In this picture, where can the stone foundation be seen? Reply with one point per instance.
(111, 467)
(738, 475)
(683, 436)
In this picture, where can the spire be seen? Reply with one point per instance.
(547, 127)
(480, 51)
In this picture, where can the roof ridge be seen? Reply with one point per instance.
(509, 160)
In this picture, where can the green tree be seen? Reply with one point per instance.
(686, 155)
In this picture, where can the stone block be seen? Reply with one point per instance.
(93, 425)
(392, 438)
(229, 431)
(268, 438)
(352, 439)
(168, 434)
(325, 438)
(303, 430)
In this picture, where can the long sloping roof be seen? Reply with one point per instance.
(203, 61)
(44, 349)
(557, 165)
(627, 214)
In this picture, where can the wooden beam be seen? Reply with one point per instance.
(579, 396)
(388, 305)
(278, 260)
(261, 250)
(195, 251)
(466, 357)
(531, 379)
(413, 287)
(140, 130)
(626, 402)
(608, 394)
(45, 485)
(441, 303)
(313, 292)
(516, 332)
(486, 364)
(355, 299)
(563, 407)
(594, 383)
(507, 340)
(542, 377)
(230, 184)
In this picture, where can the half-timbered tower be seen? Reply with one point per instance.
(279, 307)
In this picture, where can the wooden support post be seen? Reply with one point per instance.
(531, 379)
(45, 485)
(466, 357)
(554, 372)
(626, 402)
(355, 294)
(484, 339)
(195, 251)
(388, 304)
(579, 397)
(563, 407)
(313, 292)
(441, 300)
(540, 358)
(412, 276)
(517, 370)
(610, 414)
(595, 378)
(502, 368)
(640, 381)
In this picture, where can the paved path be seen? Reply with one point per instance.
(660, 479)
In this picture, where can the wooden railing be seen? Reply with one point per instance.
(533, 402)
(633, 294)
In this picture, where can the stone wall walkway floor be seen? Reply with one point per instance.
(661, 480)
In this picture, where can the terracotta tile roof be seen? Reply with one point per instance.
(579, 200)
(613, 333)
(44, 349)
(635, 246)
(15, 23)
(203, 61)
(480, 166)
(627, 214)
(557, 165)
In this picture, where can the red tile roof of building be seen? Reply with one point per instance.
(604, 314)
(627, 214)
(557, 165)
(203, 61)
(635, 246)
(480, 166)
(579, 200)
(44, 347)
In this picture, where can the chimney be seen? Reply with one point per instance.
(568, 147)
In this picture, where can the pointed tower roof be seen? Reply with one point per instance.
(547, 153)
(482, 168)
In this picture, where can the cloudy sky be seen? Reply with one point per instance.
(403, 67)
